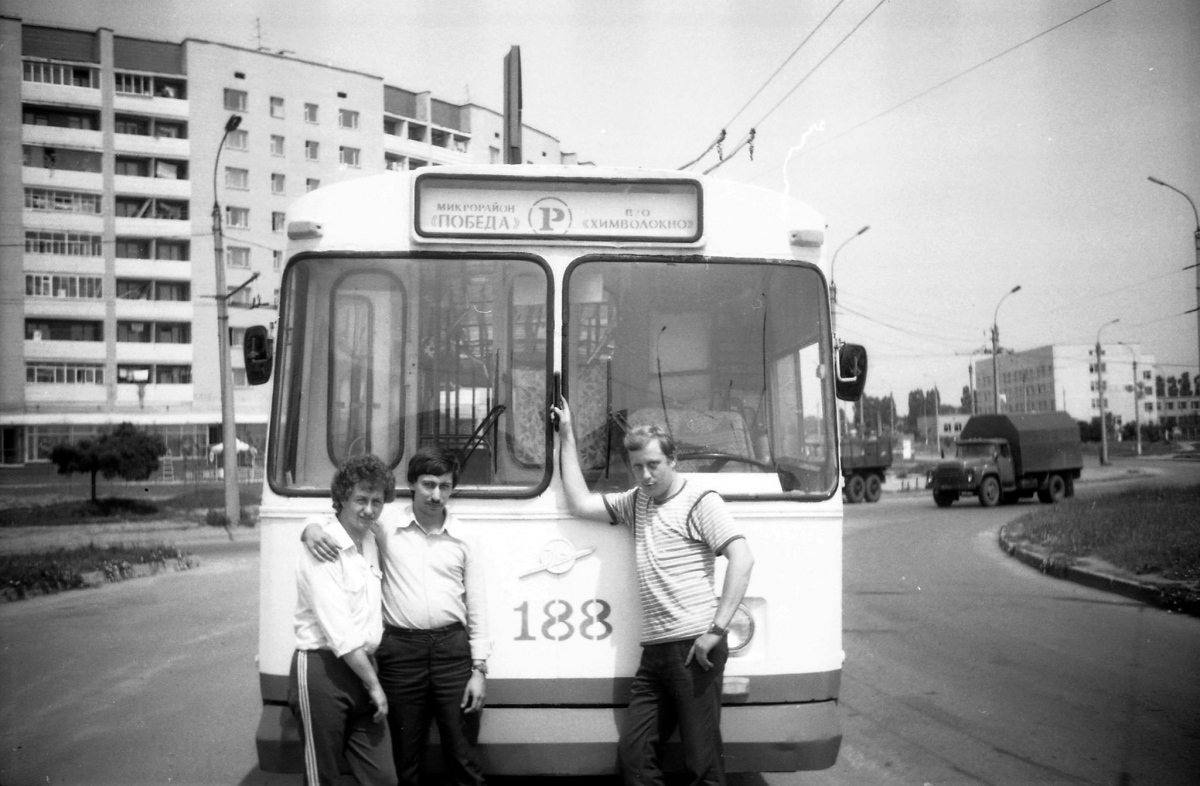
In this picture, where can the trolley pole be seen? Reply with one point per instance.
(228, 425)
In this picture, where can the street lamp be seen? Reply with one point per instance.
(832, 284)
(1196, 239)
(228, 427)
(996, 349)
(1100, 391)
(1137, 389)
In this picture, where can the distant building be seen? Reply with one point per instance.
(1065, 379)
(107, 153)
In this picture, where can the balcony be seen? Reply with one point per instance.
(153, 227)
(53, 136)
(65, 308)
(84, 351)
(151, 105)
(173, 354)
(155, 310)
(153, 186)
(69, 95)
(153, 395)
(46, 393)
(157, 146)
(425, 151)
(62, 178)
(64, 221)
(167, 269)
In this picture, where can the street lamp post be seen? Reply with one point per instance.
(228, 427)
(1137, 390)
(833, 284)
(996, 349)
(1100, 393)
(1196, 242)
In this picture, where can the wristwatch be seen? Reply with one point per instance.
(480, 666)
(717, 629)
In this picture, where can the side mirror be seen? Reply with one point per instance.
(256, 351)
(851, 372)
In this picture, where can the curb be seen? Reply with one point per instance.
(95, 579)
(1060, 566)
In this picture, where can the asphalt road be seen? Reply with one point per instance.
(963, 667)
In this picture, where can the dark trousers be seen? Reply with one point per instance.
(342, 742)
(667, 695)
(424, 674)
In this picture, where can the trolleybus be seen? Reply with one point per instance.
(448, 306)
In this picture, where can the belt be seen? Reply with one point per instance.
(398, 631)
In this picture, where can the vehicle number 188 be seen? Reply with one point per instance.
(560, 621)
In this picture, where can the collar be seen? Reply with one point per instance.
(335, 528)
(667, 498)
(410, 520)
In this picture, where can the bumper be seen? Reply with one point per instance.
(560, 741)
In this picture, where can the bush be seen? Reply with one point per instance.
(217, 518)
(23, 575)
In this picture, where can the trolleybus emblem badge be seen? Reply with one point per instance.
(557, 557)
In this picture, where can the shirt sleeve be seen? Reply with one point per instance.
(712, 522)
(622, 506)
(475, 588)
(325, 586)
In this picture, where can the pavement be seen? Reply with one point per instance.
(1176, 596)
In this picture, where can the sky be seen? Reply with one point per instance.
(986, 144)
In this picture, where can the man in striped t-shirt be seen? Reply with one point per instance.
(679, 530)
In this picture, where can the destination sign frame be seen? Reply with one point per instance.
(454, 206)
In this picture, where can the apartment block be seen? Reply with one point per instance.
(110, 167)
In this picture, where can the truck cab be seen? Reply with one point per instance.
(975, 461)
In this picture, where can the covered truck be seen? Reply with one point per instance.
(864, 464)
(1002, 458)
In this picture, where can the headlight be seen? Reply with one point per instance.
(929, 476)
(741, 630)
(970, 476)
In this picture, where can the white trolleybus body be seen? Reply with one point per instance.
(446, 306)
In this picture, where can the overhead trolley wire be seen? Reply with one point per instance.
(941, 84)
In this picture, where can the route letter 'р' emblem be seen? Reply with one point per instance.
(557, 557)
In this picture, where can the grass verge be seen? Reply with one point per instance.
(1148, 532)
(83, 511)
(41, 573)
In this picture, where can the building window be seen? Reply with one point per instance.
(64, 373)
(134, 84)
(276, 145)
(176, 250)
(391, 127)
(64, 286)
(172, 375)
(276, 259)
(61, 74)
(132, 167)
(63, 330)
(61, 201)
(241, 298)
(277, 183)
(311, 184)
(277, 222)
(312, 150)
(238, 140)
(348, 156)
(173, 333)
(237, 217)
(237, 178)
(276, 106)
(151, 207)
(235, 100)
(393, 163)
(347, 118)
(53, 117)
(310, 113)
(71, 244)
(238, 256)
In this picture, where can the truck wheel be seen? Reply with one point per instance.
(1055, 491)
(989, 492)
(856, 489)
(944, 499)
(874, 488)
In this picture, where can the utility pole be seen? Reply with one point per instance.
(513, 106)
(1100, 393)
(1137, 394)
(1196, 243)
(996, 349)
(228, 425)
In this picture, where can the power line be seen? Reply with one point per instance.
(939, 85)
(721, 137)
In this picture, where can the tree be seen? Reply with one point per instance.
(1185, 384)
(1160, 386)
(125, 451)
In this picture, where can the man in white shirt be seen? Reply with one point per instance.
(433, 656)
(334, 690)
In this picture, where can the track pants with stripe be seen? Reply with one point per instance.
(343, 744)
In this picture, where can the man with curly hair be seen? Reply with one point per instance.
(433, 657)
(334, 689)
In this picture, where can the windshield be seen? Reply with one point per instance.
(385, 355)
(730, 357)
(976, 450)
